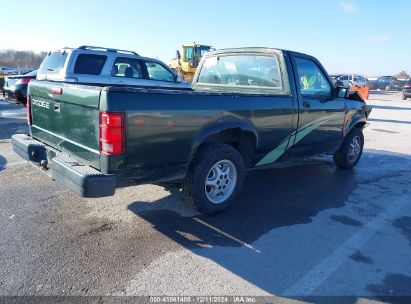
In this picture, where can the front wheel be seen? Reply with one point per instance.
(214, 178)
(350, 151)
(404, 97)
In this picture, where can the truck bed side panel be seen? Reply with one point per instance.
(162, 127)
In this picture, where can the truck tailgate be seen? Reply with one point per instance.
(66, 117)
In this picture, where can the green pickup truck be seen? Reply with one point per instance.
(247, 108)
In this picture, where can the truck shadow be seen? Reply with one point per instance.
(10, 126)
(3, 162)
(282, 201)
(270, 199)
(12, 119)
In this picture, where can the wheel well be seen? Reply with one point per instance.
(360, 124)
(244, 142)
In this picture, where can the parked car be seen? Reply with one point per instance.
(15, 87)
(248, 108)
(386, 83)
(97, 65)
(371, 83)
(401, 83)
(406, 90)
(334, 77)
(350, 80)
(1, 84)
(7, 71)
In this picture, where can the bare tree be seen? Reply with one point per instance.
(23, 59)
(403, 74)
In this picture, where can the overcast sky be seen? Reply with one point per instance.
(359, 36)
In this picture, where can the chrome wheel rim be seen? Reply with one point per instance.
(354, 149)
(220, 181)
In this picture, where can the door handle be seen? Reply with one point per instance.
(306, 104)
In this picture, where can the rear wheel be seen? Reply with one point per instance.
(404, 97)
(350, 151)
(214, 178)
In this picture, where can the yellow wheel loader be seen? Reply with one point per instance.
(186, 62)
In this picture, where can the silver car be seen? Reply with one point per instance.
(351, 80)
(97, 65)
(7, 71)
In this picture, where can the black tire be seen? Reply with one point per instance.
(193, 185)
(342, 158)
(404, 98)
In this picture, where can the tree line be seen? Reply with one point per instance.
(23, 59)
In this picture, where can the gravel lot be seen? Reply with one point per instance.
(308, 230)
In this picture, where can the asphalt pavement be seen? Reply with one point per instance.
(296, 233)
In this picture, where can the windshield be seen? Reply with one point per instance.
(203, 50)
(32, 73)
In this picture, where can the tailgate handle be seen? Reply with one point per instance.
(57, 107)
(306, 104)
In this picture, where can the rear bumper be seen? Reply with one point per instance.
(80, 178)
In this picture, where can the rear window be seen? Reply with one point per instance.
(245, 71)
(53, 63)
(89, 64)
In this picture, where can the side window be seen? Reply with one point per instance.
(127, 67)
(189, 53)
(157, 72)
(242, 71)
(89, 64)
(312, 79)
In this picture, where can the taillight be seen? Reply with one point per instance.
(23, 81)
(57, 91)
(112, 133)
(407, 85)
(28, 108)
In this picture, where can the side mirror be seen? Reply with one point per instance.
(341, 92)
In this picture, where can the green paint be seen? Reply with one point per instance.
(294, 138)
